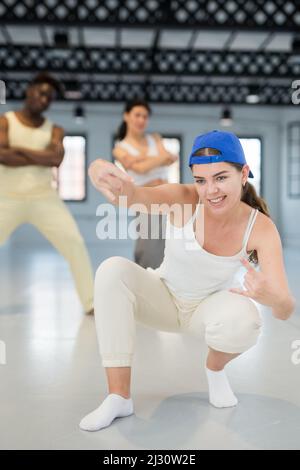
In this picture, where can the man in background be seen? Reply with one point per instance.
(30, 146)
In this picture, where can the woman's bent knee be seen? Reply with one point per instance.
(112, 269)
(238, 329)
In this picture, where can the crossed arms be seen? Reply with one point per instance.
(19, 156)
(142, 163)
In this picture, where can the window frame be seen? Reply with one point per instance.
(76, 134)
(180, 138)
(261, 139)
(289, 159)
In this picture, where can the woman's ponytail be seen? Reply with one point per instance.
(250, 197)
(122, 131)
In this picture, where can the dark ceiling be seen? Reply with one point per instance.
(180, 51)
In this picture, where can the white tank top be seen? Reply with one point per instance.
(159, 172)
(192, 273)
(28, 179)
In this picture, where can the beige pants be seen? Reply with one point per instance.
(125, 294)
(51, 217)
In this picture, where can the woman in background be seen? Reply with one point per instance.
(146, 160)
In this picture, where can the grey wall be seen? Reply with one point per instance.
(187, 121)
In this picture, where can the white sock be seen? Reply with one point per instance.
(220, 393)
(114, 406)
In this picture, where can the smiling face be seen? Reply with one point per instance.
(219, 185)
(137, 119)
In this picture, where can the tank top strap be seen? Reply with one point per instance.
(14, 121)
(199, 208)
(48, 125)
(189, 226)
(251, 222)
(11, 117)
(190, 223)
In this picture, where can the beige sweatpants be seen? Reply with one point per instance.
(125, 294)
(52, 218)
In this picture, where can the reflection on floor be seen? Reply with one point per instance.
(53, 374)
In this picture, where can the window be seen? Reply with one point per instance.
(253, 152)
(293, 158)
(173, 145)
(70, 178)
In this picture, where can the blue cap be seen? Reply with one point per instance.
(228, 145)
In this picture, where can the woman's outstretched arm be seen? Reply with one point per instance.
(119, 189)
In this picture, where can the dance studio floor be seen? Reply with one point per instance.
(53, 375)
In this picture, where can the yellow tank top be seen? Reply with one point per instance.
(30, 179)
